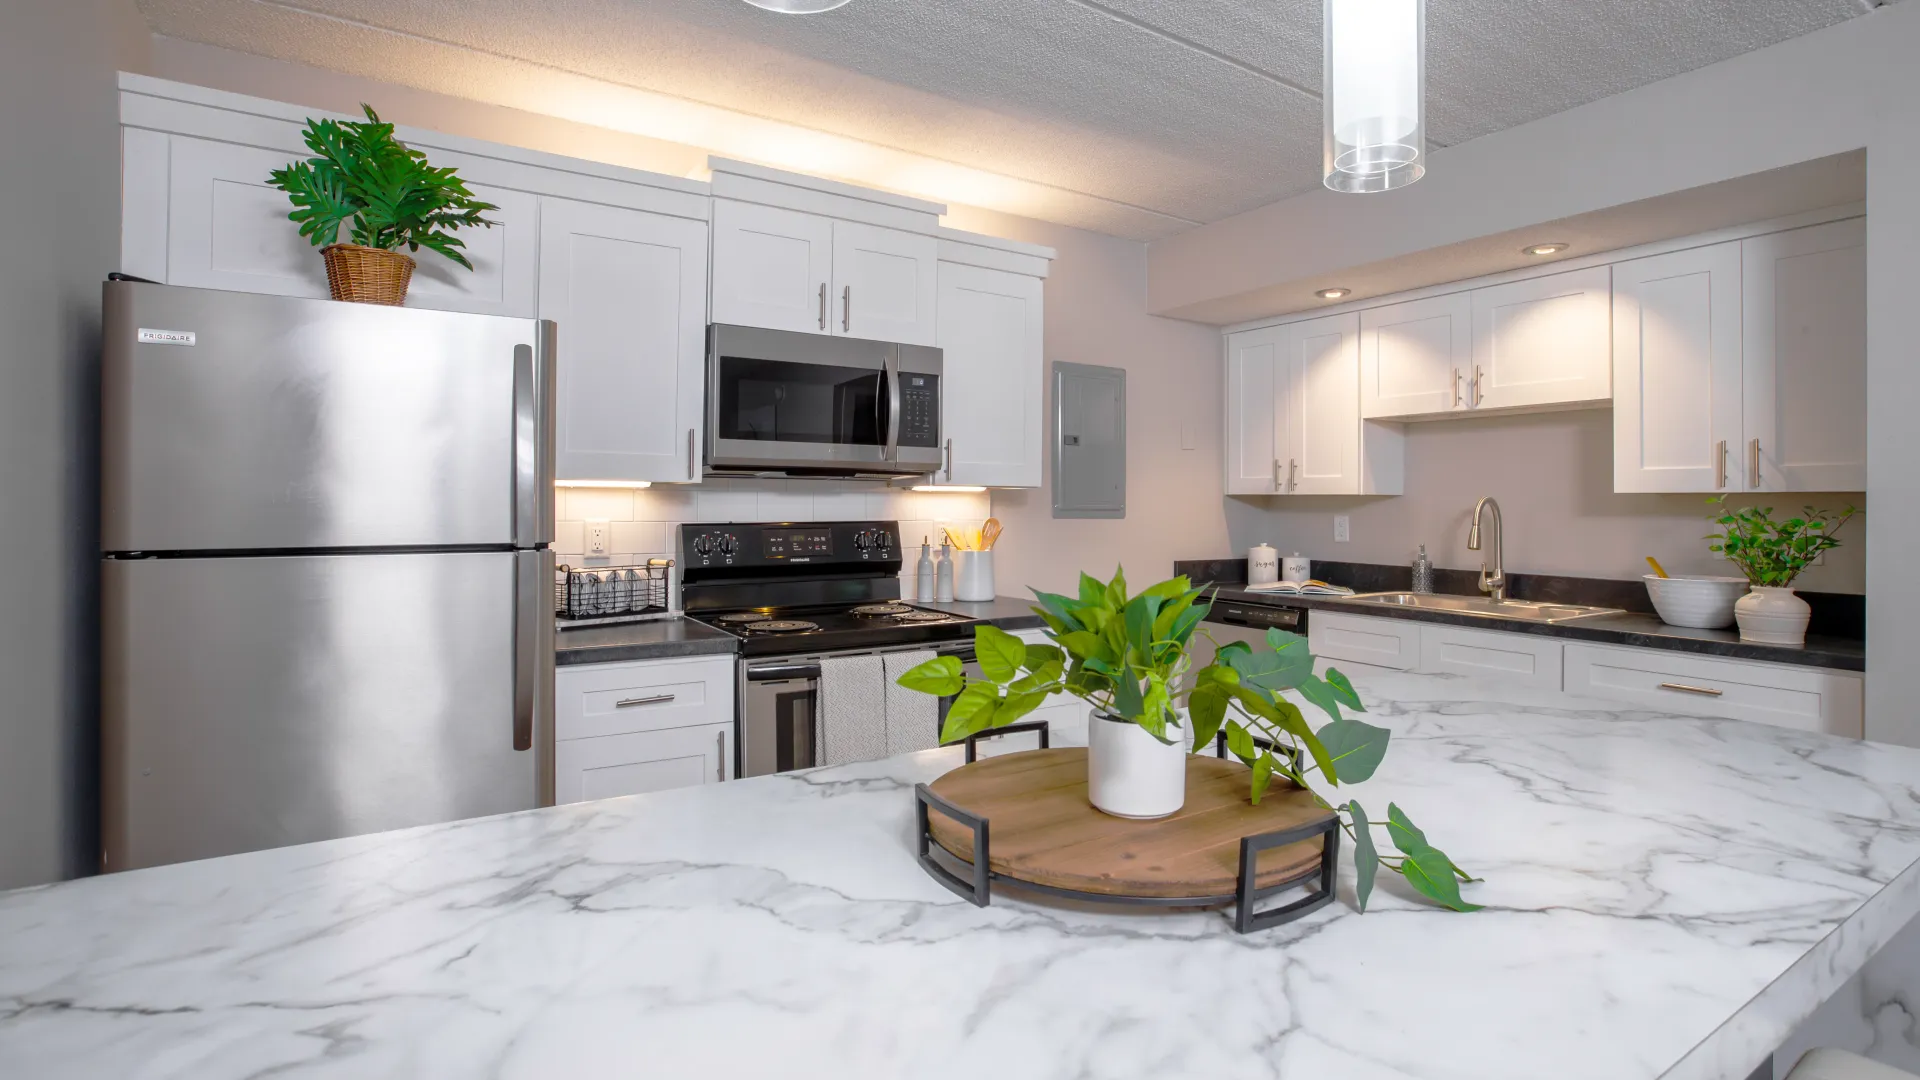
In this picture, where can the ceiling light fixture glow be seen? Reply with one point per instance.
(1332, 294)
(950, 489)
(1554, 248)
(1375, 90)
(798, 7)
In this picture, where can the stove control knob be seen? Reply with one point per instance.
(863, 541)
(702, 545)
(729, 545)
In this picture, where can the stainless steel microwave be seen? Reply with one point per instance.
(781, 403)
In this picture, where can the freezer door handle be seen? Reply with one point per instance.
(533, 376)
(532, 650)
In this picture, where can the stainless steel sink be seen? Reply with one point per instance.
(1485, 607)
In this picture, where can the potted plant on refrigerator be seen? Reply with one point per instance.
(1772, 554)
(1132, 658)
(388, 195)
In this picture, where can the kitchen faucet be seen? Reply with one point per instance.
(1492, 582)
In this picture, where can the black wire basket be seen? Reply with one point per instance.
(610, 592)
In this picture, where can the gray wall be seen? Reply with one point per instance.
(59, 235)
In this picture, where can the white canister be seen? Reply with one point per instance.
(973, 576)
(1263, 565)
(1296, 567)
(1130, 773)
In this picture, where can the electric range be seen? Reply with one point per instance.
(795, 593)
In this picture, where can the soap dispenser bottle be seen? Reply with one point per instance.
(944, 570)
(923, 590)
(1422, 572)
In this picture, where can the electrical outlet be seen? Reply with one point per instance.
(1189, 440)
(1341, 532)
(597, 529)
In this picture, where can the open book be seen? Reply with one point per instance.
(1301, 588)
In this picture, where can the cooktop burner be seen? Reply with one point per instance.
(881, 609)
(741, 618)
(782, 626)
(923, 616)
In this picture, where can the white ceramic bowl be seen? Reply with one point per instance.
(1696, 601)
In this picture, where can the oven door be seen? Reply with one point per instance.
(779, 401)
(778, 699)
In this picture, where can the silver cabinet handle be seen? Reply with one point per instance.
(693, 456)
(1456, 388)
(1479, 376)
(635, 702)
(1753, 470)
(823, 305)
(1685, 689)
(720, 758)
(949, 461)
(1292, 468)
(1720, 464)
(846, 309)
(1279, 484)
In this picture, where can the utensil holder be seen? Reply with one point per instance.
(973, 576)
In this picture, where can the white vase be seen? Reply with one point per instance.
(1130, 773)
(1772, 615)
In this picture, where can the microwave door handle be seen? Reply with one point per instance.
(893, 404)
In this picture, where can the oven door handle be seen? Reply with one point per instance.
(893, 404)
(782, 672)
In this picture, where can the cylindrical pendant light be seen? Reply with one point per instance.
(797, 7)
(1375, 94)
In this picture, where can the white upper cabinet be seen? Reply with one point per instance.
(772, 267)
(1676, 371)
(1415, 357)
(1806, 359)
(628, 289)
(1543, 341)
(1252, 466)
(1293, 424)
(224, 228)
(993, 397)
(885, 283)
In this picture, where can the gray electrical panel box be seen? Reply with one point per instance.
(1089, 441)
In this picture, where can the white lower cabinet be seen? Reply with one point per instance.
(1454, 651)
(1361, 639)
(650, 725)
(1806, 699)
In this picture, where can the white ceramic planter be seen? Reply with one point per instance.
(1772, 615)
(1130, 773)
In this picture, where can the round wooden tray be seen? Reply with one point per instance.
(1045, 833)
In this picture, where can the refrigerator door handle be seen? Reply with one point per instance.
(533, 644)
(533, 378)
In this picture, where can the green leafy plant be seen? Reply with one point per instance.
(1769, 552)
(1132, 657)
(361, 173)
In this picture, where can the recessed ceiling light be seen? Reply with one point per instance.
(1554, 248)
(797, 7)
(1332, 294)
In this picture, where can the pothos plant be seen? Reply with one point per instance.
(1772, 553)
(1133, 657)
(361, 174)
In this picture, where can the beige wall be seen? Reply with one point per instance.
(1553, 477)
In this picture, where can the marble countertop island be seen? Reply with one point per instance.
(1666, 897)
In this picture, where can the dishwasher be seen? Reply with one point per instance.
(1231, 620)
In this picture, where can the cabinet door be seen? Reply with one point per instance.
(771, 267)
(1543, 341)
(226, 229)
(637, 763)
(991, 330)
(1318, 430)
(1253, 356)
(1806, 359)
(628, 289)
(1805, 699)
(1450, 650)
(1676, 371)
(1415, 357)
(1362, 639)
(884, 284)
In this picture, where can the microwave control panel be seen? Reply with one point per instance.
(919, 409)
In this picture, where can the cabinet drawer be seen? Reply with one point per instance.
(1390, 643)
(1516, 657)
(643, 761)
(597, 700)
(1807, 699)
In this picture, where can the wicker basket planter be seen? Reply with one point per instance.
(365, 275)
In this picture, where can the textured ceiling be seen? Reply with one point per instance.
(1135, 117)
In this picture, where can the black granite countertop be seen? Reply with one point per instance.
(658, 639)
(1005, 612)
(1628, 628)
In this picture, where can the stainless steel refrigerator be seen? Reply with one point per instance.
(327, 589)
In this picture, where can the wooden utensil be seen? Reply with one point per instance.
(1657, 568)
(990, 534)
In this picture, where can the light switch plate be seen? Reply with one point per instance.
(1341, 532)
(597, 529)
(1188, 439)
